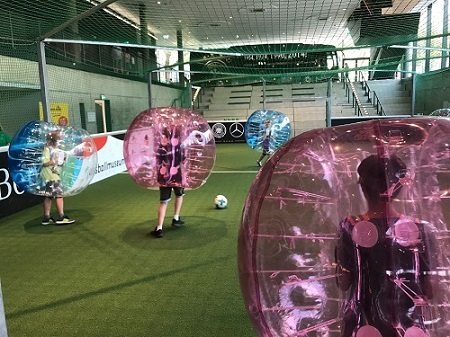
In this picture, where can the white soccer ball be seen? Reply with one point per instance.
(220, 201)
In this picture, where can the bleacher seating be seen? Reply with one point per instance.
(303, 104)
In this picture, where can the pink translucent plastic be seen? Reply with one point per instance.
(188, 137)
(307, 198)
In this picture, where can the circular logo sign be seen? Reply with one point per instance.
(219, 130)
(236, 130)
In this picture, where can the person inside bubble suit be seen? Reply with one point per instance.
(267, 137)
(170, 156)
(384, 259)
(53, 160)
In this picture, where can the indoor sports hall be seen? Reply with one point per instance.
(97, 64)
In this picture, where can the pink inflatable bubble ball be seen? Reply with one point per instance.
(345, 233)
(169, 147)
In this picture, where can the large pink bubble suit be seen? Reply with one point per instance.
(292, 226)
(189, 134)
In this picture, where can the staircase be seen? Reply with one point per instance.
(306, 104)
(350, 99)
(203, 100)
(394, 96)
(374, 98)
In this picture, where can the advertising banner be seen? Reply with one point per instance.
(228, 131)
(110, 157)
(12, 199)
(59, 112)
(110, 162)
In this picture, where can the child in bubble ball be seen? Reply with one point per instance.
(52, 161)
(384, 259)
(170, 157)
(267, 137)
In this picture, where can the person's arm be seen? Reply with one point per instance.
(429, 259)
(47, 160)
(345, 261)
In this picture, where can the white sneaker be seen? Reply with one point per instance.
(65, 220)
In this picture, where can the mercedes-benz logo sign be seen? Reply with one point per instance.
(219, 130)
(236, 130)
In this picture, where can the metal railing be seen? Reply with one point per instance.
(372, 96)
(376, 103)
(360, 110)
(197, 97)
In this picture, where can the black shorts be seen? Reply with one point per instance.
(165, 193)
(53, 189)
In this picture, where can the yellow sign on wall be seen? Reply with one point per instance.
(59, 113)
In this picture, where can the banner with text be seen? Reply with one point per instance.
(110, 162)
(110, 157)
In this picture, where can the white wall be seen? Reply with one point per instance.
(127, 98)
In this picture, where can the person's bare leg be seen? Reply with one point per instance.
(161, 214)
(47, 206)
(60, 206)
(259, 160)
(177, 207)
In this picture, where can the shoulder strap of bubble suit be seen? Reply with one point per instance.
(407, 217)
(354, 219)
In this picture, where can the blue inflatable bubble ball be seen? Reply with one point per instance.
(267, 129)
(69, 154)
(444, 112)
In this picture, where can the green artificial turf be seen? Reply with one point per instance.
(105, 276)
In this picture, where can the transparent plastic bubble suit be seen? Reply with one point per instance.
(169, 147)
(444, 112)
(75, 149)
(326, 250)
(256, 127)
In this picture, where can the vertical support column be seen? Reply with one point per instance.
(414, 58)
(445, 61)
(428, 41)
(403, 67)
(328, 105)
(149, 87)
(43, 81)
(413, 96)
(264, 93)
(181, 77)
(143, 39)
(74, 47)
(148, 56)
(409, 58)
